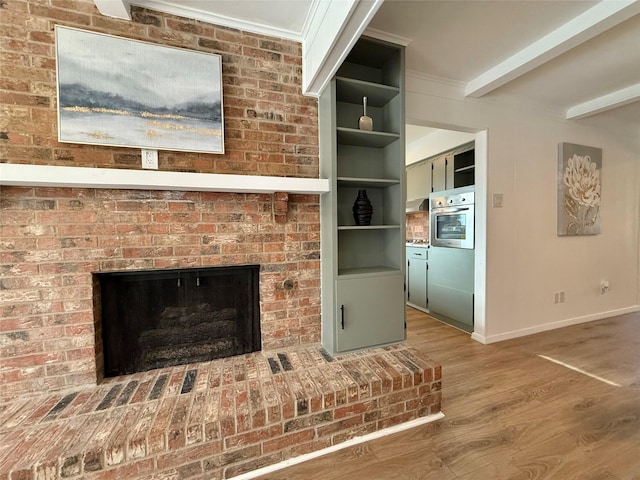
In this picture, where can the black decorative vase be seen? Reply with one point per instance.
(362, 209)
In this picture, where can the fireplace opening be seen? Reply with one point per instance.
(161, 318)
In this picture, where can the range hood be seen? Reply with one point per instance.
(417, 205)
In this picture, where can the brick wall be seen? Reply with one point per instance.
(51, 240)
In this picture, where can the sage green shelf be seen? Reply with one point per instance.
(364, 138)
(351, 90)
(368, 227)
(366, 182)
(368, 271)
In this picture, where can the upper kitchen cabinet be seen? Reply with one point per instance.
(442, 172)
(365, 259)
(451, 169)
(418, 180)
(464, 168)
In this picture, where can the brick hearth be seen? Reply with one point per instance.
(218, 419)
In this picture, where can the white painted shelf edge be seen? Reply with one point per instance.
(85, 177)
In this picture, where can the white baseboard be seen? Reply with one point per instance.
(479, 338)
(334, 448)
(553, 325)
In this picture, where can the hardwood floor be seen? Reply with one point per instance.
(512, 414)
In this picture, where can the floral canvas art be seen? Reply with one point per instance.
(579, 189)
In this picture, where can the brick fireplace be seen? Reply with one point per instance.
(57, 238)
(208, 420)
(54, 239)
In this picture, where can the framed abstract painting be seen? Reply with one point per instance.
(579, 189)
(121, 92)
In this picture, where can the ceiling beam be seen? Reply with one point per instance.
(606, 102)
(334, 28)
(114, 8)
(601, 17)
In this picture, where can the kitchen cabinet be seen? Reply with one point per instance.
(442, 172)
(363, 265)
(450, 284)
(417, 274)
(464, 168)
(453, 169)
(419, 180)
(367, 311)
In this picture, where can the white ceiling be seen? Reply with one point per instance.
(576, 63)
(281, 18)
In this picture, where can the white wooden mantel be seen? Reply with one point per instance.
(84, 177)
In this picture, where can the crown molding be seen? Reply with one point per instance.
(387, 37)
(425, 77)
(215, 19)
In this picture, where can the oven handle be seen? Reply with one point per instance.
(450, 210)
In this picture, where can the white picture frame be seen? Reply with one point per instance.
(128, 93)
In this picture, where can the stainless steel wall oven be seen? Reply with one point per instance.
(451, 222)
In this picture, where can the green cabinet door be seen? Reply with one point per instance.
(370, 311)
(417, 281)
(418, 180)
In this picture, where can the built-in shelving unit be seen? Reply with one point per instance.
(363, 266)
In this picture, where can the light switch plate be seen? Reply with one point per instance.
(150, 159)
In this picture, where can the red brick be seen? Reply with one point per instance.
(338, 426)
(188, 454)
(355, 409)
(130, 470)
(352, 433)
(396, 420)
(157, 436)
(137, 439)
(285, 441)
(252, 437)
(399, 397)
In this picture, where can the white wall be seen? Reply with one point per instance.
(526, 262)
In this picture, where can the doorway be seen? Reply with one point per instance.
(427, 141)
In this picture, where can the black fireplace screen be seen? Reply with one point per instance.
(161, 318)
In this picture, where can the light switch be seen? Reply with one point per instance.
(497, 200)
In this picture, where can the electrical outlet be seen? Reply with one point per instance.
(150, 159)
(604, 286)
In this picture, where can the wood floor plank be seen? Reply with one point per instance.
(502, 468)
(413, 466)
(623, 464)
(509, 413)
